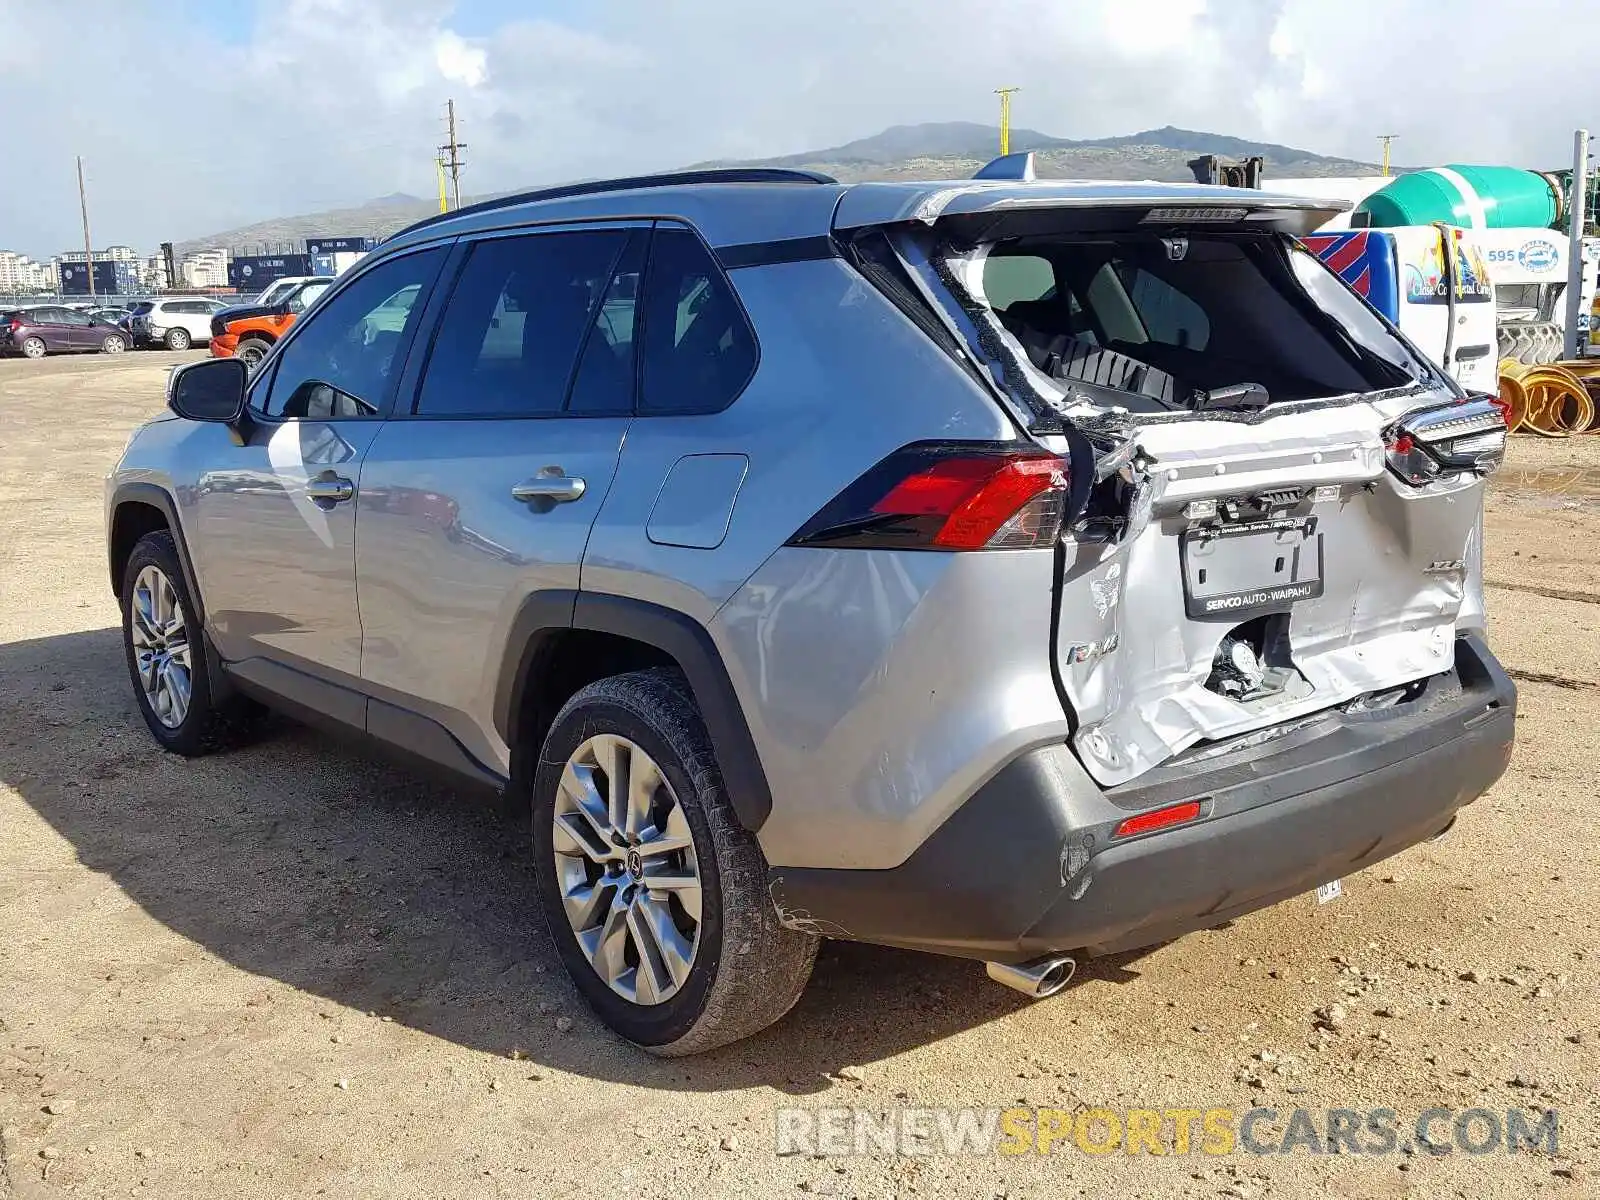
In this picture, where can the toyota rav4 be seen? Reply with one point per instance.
(1008, 569)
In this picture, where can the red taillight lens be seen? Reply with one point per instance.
(1161, 818)
(948, 496)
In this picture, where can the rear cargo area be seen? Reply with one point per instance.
(1252, 541)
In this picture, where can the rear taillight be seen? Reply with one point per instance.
(948, 496)
(1438, 443)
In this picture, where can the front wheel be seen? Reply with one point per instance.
(654, 894)
(113, 344)
(177, 339)
(33, 347)
(166, 654)
(251, 351)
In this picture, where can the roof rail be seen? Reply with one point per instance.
(631, 183)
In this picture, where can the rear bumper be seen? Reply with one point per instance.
(1030, 864)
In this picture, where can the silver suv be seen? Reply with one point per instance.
(1007, 569)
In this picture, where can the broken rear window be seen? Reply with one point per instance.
(1155, 323)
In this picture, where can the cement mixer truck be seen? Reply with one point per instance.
(1471, 262)
(1516, 223)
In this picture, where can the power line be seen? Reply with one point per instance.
(452, 148)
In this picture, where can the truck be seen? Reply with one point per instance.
(1498, 293)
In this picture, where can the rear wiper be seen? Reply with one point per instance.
(1247, 396)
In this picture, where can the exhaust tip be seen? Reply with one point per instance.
(1037, 979)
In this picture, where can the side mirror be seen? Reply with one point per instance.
(212, 389)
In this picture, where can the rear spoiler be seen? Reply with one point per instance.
(990, 209)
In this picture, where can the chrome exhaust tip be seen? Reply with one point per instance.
(1040, 978)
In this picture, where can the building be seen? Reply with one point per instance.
(109, 254)
(153, 273)
(204, 269)
(19, 273)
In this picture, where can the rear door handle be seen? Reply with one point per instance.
(550, 484)
(330, 489)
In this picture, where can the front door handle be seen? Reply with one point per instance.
(550, 484)
(330, 489)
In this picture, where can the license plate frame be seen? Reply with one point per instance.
(1241, 570)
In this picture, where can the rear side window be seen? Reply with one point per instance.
(516, 322)
(1008, 278)
(698, 348)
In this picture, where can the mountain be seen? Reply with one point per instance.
(955, 150)
(937, 150)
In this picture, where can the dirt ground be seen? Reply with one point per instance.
(294, 970)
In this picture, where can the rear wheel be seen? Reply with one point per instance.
(177, 339)
(113, 343)
(654, 894)
(33, 347)
(251, 351)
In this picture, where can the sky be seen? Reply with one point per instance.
(196, 116)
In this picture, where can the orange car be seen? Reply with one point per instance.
(248, 331)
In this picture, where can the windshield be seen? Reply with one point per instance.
(141, 308)
(276, 292)
(1172, 320)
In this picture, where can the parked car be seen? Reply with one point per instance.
(52, 329)
(174, 322)
(1012, 570)
(251, 330)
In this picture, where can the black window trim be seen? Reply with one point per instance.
(261, 386)
(411, 380)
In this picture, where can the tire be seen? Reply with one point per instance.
(744, 969)
(114, 343)
(203, 725)
(177, 339)
(251, 351)
(34, 347)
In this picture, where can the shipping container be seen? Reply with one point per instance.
(110, 278)
(321, 244)
(335, 263)
(252, 272)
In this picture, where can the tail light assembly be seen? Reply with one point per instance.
(1439, 443)
(948, 496)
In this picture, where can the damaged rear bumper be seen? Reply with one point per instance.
(1030, 865)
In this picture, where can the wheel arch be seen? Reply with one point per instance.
(562, 640)
(139, 508)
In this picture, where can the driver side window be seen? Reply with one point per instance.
(342, 361)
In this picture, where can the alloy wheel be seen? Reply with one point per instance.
(160, 646)
(112, 345)
(625, 863)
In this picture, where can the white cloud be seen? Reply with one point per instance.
(458, 60)
(307, 104)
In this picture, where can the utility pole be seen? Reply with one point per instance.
(88, 246)
(1005, 118)
(453, 148)
(1386, 138)
(1572, 344)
